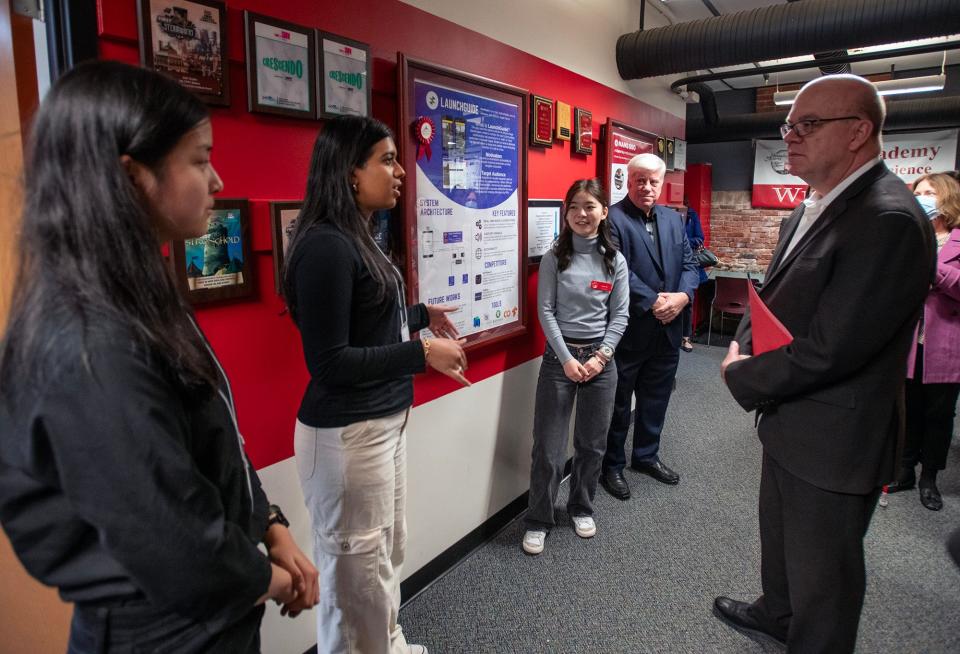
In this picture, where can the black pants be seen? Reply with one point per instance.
(812, 564)
(930, 412)
(134, 626)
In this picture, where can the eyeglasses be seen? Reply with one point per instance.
(803, 127)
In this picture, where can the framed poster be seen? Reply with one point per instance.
(281, 67)
(679, 154)
(543, 226)
(283, 216)
(583, 131)
(187, 40)
(541, 121)
(217, 266)
(344, 76)
(462, 142)
(621, 144)
(563, 121)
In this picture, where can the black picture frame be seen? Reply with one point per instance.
(582, 131)
(282, 216)
(255, 60)
(206, 70)
(345, 49)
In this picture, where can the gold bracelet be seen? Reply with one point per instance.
(426, 348)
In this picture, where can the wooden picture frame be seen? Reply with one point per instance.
(344, 67)
(563, 121)
(281, 67)
(282, 218)
(582, 131)
(541, 121)
(223, 270)
(187, 40)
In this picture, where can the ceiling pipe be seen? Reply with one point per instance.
(784, 30)
(929, 113)
(831, 69)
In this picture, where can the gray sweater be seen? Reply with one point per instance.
(570, 305)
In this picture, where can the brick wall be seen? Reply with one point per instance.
(741, 236)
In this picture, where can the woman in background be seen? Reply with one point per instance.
(347, 299)
(124, 480)
(583, 303)
(933, 369)
(695, 236)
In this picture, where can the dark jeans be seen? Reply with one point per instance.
(930, 412)
(649, 374)
(551, 428)
(134, 626)
(811, 561)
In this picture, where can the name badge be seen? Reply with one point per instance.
(601, 286)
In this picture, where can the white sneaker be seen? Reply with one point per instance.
(533, 541)
(418, 649)
(584, 526)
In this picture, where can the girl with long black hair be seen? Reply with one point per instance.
(123, 480)
(583, 301)
(347, 299)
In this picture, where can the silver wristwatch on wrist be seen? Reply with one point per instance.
(606, 353)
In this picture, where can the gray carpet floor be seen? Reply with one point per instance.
(646, 581)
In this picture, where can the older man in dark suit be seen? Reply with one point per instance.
(663, 277)
(848, 279)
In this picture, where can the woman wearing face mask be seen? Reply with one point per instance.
(124, 480)
(933, 369)
(583, 300)
(347, 299)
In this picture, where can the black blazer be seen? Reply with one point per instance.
(649, 276)
(850, 292)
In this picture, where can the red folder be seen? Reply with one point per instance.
(768, 333)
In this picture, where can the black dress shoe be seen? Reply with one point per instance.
(930, 497)
(615, 484)
(737, 615)
(658, 471)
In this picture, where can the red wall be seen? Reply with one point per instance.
(265, 158)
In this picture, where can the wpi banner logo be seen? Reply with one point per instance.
(773, 186)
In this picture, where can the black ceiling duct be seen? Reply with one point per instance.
(785, 30)
(929, 113)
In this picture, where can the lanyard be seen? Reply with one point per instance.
(404, 328)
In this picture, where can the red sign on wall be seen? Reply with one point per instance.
(623, 143)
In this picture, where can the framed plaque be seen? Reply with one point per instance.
(543, 227)
(563, 121)
(187, 40)
(283, 217)
(679, 154)
(281, 65)
(344, 76)
(217, 266)
(583, 132)
(462, 139)
(662, 147)
(668, 159)
(621, 143)
(541, 121)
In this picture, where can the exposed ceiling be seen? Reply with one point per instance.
(682, 11)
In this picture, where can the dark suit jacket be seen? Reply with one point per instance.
(648, 276)
(850, 292)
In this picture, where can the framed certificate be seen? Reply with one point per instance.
(563, 121)
(187, 40)
(281, 65)
(217, 265)
(543, 227)
(283, 218)
(679, 154)
(583, 131)
(344, 76)
(541, 121)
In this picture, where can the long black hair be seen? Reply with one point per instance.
(563, 248)
(88, 249)
(345, 143)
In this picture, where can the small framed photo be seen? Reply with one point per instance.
(541, 121)
(583, 131)
(217, 266)
(281, 67)
(344, 76)
(187, 40)
(283, 218)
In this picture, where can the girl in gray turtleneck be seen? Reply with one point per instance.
(583, 299)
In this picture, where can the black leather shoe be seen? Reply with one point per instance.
(615, 484)
(737, 615)
(930, 497)
(658, 471)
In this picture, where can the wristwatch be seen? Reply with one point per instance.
(606, 352)
(276, 517)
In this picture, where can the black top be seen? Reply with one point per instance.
(115, 484)
(359, 366)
